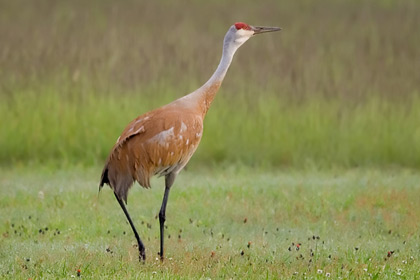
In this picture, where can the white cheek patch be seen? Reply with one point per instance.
(243, 35)
(241, 40)
(243, 32)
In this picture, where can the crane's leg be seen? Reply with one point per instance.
(142, 255)
(169, 180)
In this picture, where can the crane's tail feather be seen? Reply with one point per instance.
(120, 185)
(104, 178)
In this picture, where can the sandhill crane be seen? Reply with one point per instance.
(162, 141)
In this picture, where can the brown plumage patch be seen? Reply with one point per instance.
(156, 143)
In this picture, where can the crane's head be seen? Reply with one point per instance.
(240, 32)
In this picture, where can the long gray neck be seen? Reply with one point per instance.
(203, 97)
(225, 61)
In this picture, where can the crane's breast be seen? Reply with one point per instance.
(157, 143)
(170, 148)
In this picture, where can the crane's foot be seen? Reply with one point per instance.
(142, 257)
(161, 256)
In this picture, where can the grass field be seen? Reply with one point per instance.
(309, 163)
(227, 223)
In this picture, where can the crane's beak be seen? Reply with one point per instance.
(264, 29)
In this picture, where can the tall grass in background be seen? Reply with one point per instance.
(339, 86)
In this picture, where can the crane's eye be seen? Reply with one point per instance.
(242, 25)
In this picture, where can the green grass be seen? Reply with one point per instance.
(316, 132)
(345, 220)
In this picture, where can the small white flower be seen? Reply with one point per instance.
(404, 262)
(327, 274)
(319, 271)
(295, 273)
(365, 269)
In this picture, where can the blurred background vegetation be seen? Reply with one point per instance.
(339, 86)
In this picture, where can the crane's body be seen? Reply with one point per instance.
(159, 142)
(162, 141)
